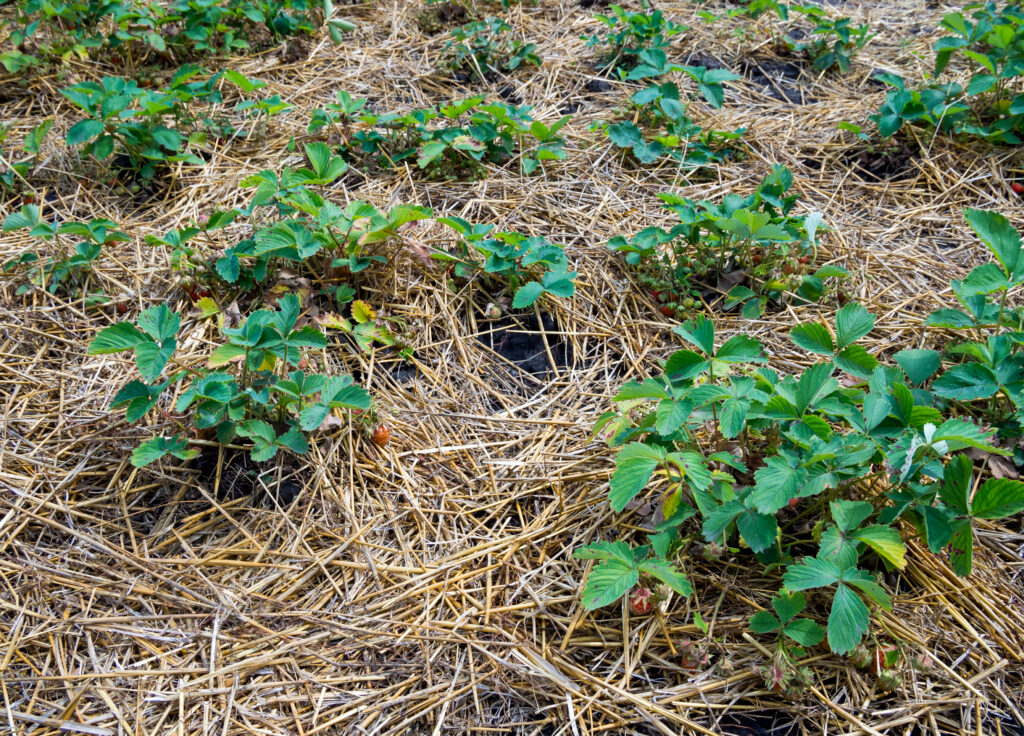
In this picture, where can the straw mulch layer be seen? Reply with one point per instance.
(427, 587)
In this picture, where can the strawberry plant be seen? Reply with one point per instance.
(660, 108)
(338, 115)
(251, 386)
(793, 635)
(260, 109)
(627, 35)
(754, 238)
(65, 269)
(528, 267)
(14, 178)
(123, 117)
(485, 47)
(471, 134)
(61, 30)
(983, 376)
(737, 446)
(991, 105)
(306, 230)
(833, 43)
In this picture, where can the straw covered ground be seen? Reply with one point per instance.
(427, 587)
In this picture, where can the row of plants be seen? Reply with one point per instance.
(989, 39)
(447, 142)
(754, 242)
(44, 30)
(822, 473)
(257, 385)
(831, 42)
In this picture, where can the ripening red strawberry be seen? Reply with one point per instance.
(667, 310)
(656, 294)
(1017, 187)
(381, 435)
(886, 655)
(802, 259)
(794, 501)
(641, 602)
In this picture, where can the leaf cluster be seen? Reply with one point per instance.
(251, 386)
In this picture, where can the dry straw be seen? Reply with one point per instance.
(427, 587)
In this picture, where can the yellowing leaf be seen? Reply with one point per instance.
(225, 354)
(670, 504)
(207, 307)
(334, 321)
(362, 312)
(268, 362)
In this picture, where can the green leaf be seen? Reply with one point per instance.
(649, 389)
(263, 437)
(886, 543)
(139, 397)
(294, 440)
(763, 622)
(313, 416)
(849, 514)
(811, 572)
(814, 384)
(634, 465)
(959, 433)
(151, 357)
(27, 216)
(956, 484)
(116, 338)
(608, 582)
(999, 235)
(852, 323)
(668, 574)
(758, 530)
(740, 349)
(961, 548)
(966, 382)
(857, 361)
(998, 498)
(605, 551)
(788, 605)
(429, 152)
(154, 449)
(814, 338)
(775, 484)
(699, 332)
(225, 354)
(918, 365)
(83, 131)
(257, 429)
(527, 294)
(804, 632)
(159, 322)
(670, 416)
(848, 621)
(340, 393)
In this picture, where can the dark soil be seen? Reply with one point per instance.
(894, 164)
(508, 93)
(518, 339)
(762, 723)
(237, 477)
(778, 79)
(443, 16)
(598, 85)
(240, 478)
